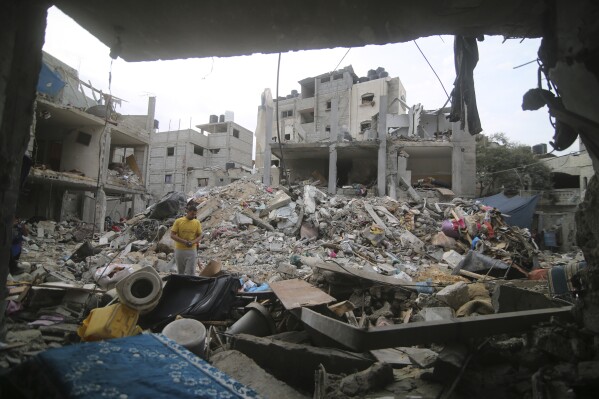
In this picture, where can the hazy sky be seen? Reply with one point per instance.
(196, 88)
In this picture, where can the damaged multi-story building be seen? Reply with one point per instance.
(218, 153)
(360, 130)
(87, 161)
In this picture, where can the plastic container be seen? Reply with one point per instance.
(114, 321)
(189, 333)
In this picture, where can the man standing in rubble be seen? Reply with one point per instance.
(186, 233)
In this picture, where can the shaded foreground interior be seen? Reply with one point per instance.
(569, 55)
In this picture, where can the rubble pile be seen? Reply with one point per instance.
(302, 274)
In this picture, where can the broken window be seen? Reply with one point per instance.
(170, 151)
(338, 76)
(168, 179)
(274, 162)
(364, 126)
(325, 79)
(202, 182)
(287, 137)
(367, 99)
(306, 117)
(328, 105)
(83, 138)
(327, 129)
(198, 150)
(236, 133)
(215, 150)
(287, 114)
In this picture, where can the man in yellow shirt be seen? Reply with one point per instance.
(187, 233)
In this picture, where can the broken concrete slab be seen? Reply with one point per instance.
(452, 258)
(511, 299)
(274, 355)
(246, 371)
(376, 376)
(279, 200)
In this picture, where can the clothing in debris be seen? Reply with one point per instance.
(463, 96)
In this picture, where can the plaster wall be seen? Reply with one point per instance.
(363, 112)
(80, 156)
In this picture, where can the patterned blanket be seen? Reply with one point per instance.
(143, 366)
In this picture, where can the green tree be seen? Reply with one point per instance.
(505, 165)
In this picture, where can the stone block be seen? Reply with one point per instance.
(454, 295)
(432, 314)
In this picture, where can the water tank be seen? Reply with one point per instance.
(213, 118)
(383, 74)
(539, 149)
(372, 73)
(222, 118)
(380, 69)
(363, 79)
(229, 116)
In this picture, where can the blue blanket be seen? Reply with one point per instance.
(143, 366)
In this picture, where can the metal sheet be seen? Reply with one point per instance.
(297, 293)
(454, 330)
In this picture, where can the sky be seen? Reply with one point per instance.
(188, 91)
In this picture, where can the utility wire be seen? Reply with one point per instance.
(433, 69)
(534, 163)
(342, 58)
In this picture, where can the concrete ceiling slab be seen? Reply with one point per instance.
(155, 29)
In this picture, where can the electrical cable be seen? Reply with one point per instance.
(433, 69)
(342, 58)
(534, 163)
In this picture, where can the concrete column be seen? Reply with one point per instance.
(151, 115)
(333, 138)
(100, 209)
(463, 163)
(267, 140)
(22, 27)
(332, 188)
(392, 172)
(105, 156)
(141, 158)
(382, 157)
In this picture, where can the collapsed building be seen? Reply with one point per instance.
(346, 130)
(186, 160)
(87, 161)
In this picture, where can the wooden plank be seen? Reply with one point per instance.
(297, 293)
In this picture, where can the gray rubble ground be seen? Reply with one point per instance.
(381, 236)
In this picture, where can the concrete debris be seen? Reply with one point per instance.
(368, 263)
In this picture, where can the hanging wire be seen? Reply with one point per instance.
(433, 69)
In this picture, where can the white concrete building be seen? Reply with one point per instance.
(185, 160)
(333, 129)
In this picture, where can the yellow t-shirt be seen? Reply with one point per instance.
(188, 230)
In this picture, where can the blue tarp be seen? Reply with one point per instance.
(520, 209)
(49, 82)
